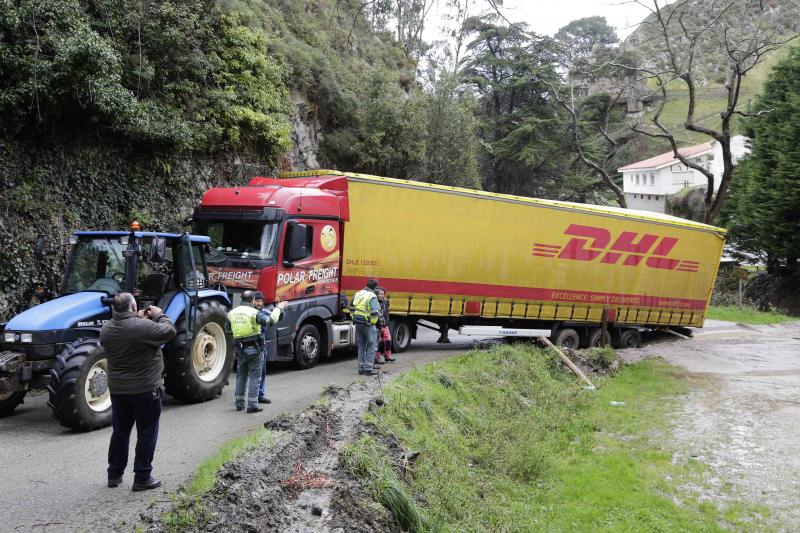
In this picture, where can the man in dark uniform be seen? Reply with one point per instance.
(132, 341)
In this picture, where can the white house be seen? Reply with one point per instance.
(647, 183)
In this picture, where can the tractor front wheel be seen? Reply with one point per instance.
(79, 393)
(198, 368)
(9, 401)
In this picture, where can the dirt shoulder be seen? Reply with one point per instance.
(742, 418)
(294, 482)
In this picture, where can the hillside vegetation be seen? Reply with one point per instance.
(119, 110)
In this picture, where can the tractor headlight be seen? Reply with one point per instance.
(26, 337)
(10, 337)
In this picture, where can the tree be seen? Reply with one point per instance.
(763, 212)
(585, 41)
(596, 133)
(451, 152)
(736, 34)
(521, 134)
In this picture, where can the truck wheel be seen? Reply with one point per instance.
(198, 368)
(630, 338)
(79, 393)
(566, 338)
(400, 330)
(307, 347)
(595, 337)
(9, 401)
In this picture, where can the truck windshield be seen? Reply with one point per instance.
(95, 264)
(242, 239)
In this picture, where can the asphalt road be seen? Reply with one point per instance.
(53, 479)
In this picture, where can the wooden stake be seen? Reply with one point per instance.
(568, 362)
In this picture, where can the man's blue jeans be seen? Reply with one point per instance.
(262, 386)
(144, 410)
(367, 341)
(249, 363)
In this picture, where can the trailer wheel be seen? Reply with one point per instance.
(400, 330)
(198, 369)
(79, 393)
(596, 336)
(9, 401)
(566, 338)
(307, 347)
(630, 338)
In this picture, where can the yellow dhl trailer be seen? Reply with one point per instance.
(456, 258)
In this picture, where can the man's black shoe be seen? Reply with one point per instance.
(369, 373)
(255, 409)
(151, 483)
(240, 407)
(114, 482)
(264, 400)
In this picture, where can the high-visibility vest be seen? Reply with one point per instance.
(361, 307)
(243, 322)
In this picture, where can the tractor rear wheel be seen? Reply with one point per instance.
(198, 368)
(79, 393)
(9, 401)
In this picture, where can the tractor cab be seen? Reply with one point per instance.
(153, 267)
(55, 345)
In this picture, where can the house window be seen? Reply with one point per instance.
(648, 196)
(637, 179)
(652, 179)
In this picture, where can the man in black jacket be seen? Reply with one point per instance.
(132, 341)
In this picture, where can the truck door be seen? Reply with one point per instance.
(308, 271)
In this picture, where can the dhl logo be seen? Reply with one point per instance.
(588, 243)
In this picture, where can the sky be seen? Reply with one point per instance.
(545, 17)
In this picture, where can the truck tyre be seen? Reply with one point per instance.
(198, 368)
(307, 347)
(79, 393)
(566, 338)
(630, 338)
(9, 401)
(400, 330)
(595, 336)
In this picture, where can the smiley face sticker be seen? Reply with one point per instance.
(327, 238)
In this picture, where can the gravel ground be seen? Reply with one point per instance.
(742, 418)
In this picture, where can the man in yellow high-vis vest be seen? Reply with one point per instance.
(245, 322)
(366, 311)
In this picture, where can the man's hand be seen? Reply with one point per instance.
(152, 311)
(282, 305)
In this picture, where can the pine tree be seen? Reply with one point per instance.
(763, 211)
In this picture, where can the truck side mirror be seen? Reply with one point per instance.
(296, 245)
(158, 249)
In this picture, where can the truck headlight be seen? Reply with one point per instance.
(10, 336)
(26, 337)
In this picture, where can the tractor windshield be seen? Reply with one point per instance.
(95, 264)
(242, 240)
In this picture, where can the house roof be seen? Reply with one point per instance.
(668, 158)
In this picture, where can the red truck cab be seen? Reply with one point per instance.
(283, 238)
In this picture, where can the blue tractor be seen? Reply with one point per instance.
(55, 345)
